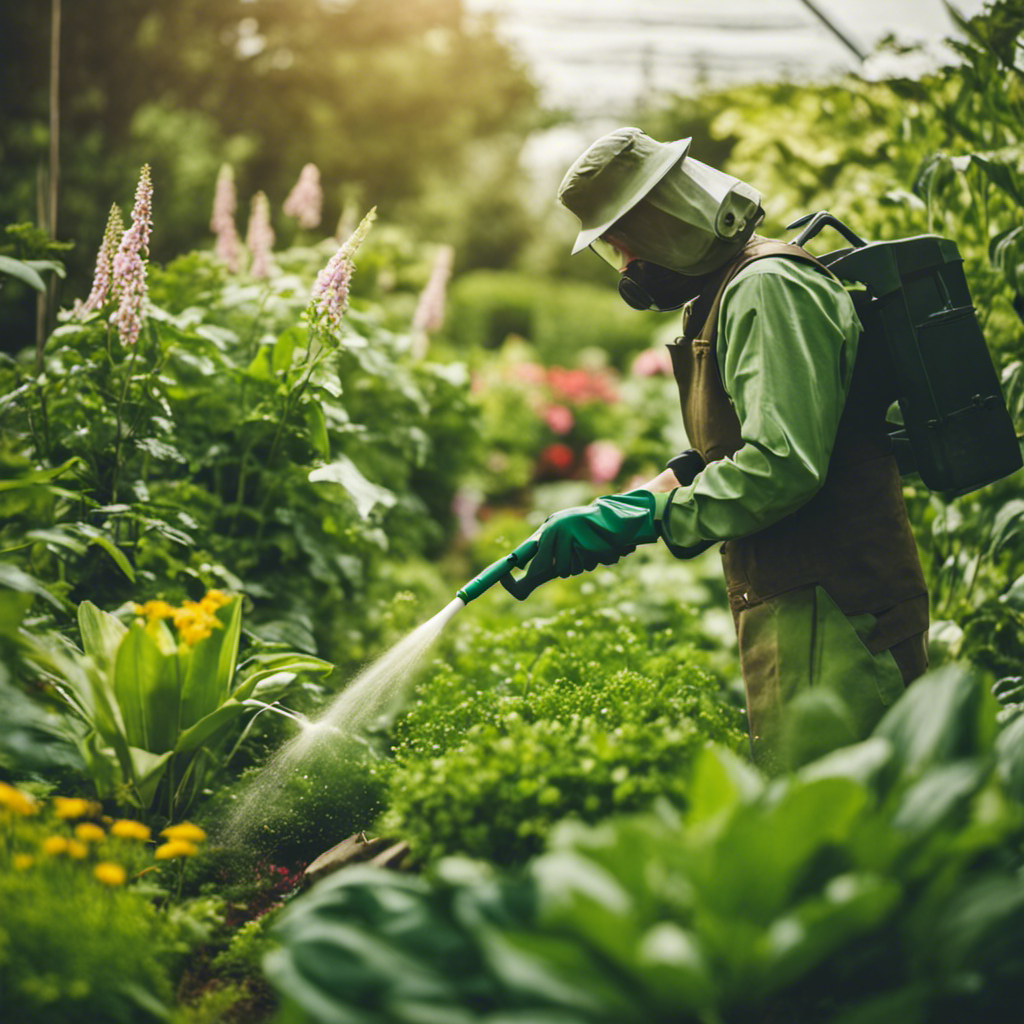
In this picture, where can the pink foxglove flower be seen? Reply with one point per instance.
(259, 236)
(429, 313)
(306, 198)
(330, 293)
(112, 236)
(228, 246)
(129, 279)
(604, 460)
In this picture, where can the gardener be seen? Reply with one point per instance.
(791, 468)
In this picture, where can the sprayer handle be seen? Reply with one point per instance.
(520, 589)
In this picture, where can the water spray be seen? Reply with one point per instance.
(375, 689)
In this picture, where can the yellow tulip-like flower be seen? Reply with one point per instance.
(175, 848)
(124, 828)
(54, 846)
(89, 833)
(71, 807)
(154, 610)
(194, 622)
(16, 801)
(110, 873)
(213, 600)
(184, 830)
(194, 633)
(22, 861)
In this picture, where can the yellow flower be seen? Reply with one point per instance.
(193, 634)
(89, 833)
(23, 861)
(77, 850)
(185, 830)
(194, 622)
(214, 599)
(71, 807)
(16, 801)
(110, 873)
(154, 610)
(126, 829)
(176, 848)
(55, 845)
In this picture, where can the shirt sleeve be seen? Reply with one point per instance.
(787, 340)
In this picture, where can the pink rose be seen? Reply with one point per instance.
(559, 418)
(604, 460)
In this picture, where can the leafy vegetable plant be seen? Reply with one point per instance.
(156, 701)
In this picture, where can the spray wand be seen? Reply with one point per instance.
(501, 572)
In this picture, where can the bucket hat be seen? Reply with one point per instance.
(612, 176)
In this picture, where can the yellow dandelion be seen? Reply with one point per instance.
(22, 861)
(71, 807)
(184, 830)
(175, 848)
(110, 873)
(77, 850)
(89, 833)
(16, 801)
(54, 846)
(124, 828)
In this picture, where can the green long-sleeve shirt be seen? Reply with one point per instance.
(787, 340)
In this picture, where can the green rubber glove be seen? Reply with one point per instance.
(578, 539)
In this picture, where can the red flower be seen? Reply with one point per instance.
(556, 458)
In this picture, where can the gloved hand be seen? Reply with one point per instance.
(578, 539)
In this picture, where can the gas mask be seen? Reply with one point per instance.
(645, 285)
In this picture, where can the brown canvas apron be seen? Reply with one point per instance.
(853, 538)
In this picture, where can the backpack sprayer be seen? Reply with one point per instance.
(916, 310)
(915, 306)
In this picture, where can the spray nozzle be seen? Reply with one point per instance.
(501, 572)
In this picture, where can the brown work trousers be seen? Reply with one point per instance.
(800, 643)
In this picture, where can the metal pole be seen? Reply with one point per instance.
(54, 113)
(860, 54)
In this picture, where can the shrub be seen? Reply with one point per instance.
(580, 714)
(559, 318)
(879, 883)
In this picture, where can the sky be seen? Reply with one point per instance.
(596, 57)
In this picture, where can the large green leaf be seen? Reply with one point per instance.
(148, 691)
(274, 664)
(193, 738)
(102, 633)
(231, 616)
(148, 770)
(936, 720)
(366, 495)
(20, 270)
(210, 666)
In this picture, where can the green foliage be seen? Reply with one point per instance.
(157, 706)
(222, 451)
(878, 881)
(580, 714)
(558, 318)
(72, 947)
(292, 816)
(394, 96)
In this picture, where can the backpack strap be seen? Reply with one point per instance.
(700, 316)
